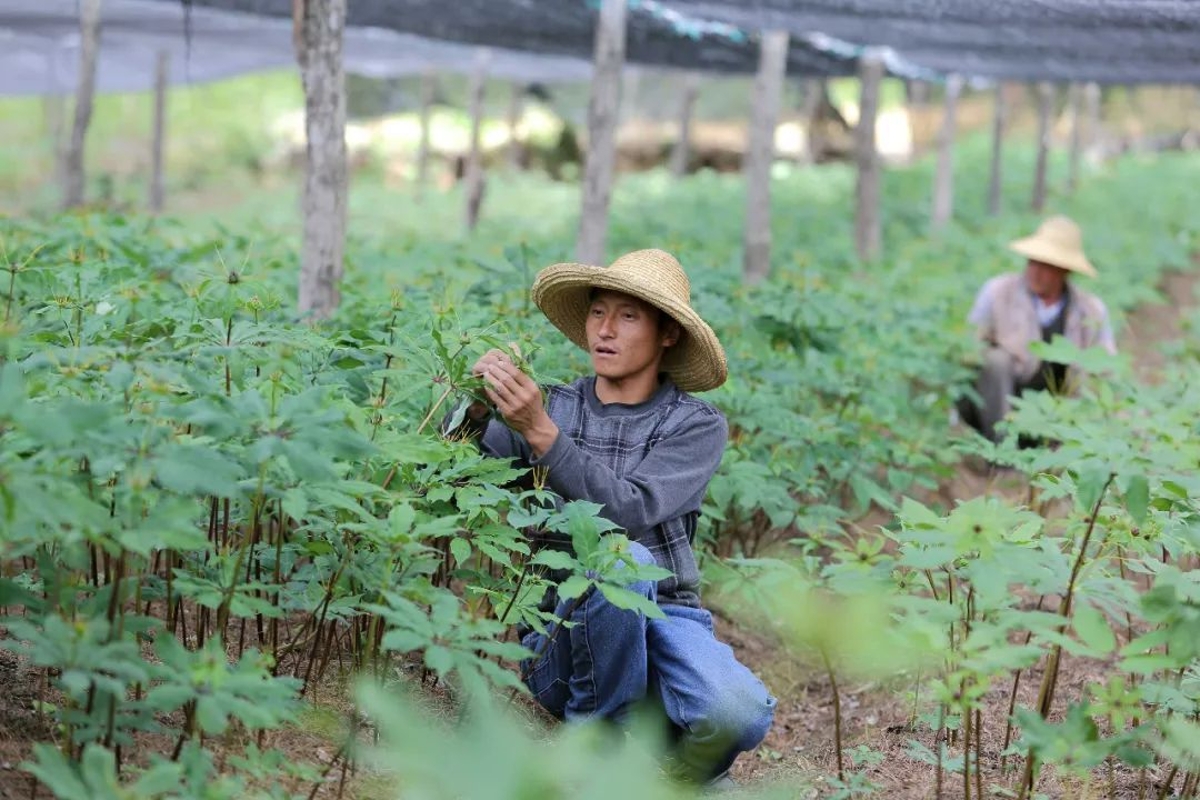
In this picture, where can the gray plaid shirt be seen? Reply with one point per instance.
(648, 464)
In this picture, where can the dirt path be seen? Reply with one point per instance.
(802, 739)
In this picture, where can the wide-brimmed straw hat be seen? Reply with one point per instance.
(1058, 242)
(696, 363)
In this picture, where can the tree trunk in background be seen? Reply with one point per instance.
(1045, 100)
(996, 176)
(516, 108)
(868, 229)
(1075, 103)
(681, 152)
(474, 167)
(1094, 146)
(816, 95)
(161, 75)
(603, 109)
(54, 112)
(428, 89)
(89, 32)
(325, 182)
(760, 154)
(943, 185)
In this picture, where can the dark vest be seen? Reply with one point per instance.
(1052, 375)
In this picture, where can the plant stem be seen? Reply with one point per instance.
(967, 754)
(435, 408)
(837, 714)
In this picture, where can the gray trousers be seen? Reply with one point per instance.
(996, 384)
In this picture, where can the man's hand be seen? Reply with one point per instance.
(518, 399)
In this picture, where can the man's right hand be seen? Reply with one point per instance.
(479, 409)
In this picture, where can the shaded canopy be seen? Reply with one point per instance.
(1107, 41)
(656, 37)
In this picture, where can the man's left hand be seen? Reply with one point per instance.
(519, 399)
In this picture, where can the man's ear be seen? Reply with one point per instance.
(671, 333)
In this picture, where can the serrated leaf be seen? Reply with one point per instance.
(573, 587)
(555, 559)
(1094, 629)
(1137, 498)
(631, 601)
(439, 659)
(461, 550)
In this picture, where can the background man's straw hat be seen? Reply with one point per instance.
(696, 362)
(1058, 242)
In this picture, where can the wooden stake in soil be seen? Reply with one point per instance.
(516, 107)
(768, 84)
(995, 176)
(1075, 103)
(162, 66)
(428, 89)
(687, 104)
(602, 132)
(73, 167)
(474, 166)
(943, 185)
(322, 26)
(868, 230)
(1045, 95)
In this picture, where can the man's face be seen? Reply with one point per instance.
(627, 336)
(1045, 280)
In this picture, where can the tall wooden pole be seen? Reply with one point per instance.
(1091, 101)
(162, 68)
(768, 85)
(681, 152)
(603, 110)
(995, 175)
(89, 43)
(428, 89)
(322, 26)
(868, 227)
(1075, 103)
(474, 170)
(516, 108)
(1045, 97)
(943, 186)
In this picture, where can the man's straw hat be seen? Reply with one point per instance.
(1058, 242)
(562, 291)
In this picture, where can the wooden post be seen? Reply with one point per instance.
(162, 67)
(322, 26)
(89, 42)
(55, 112)
(995, 176)
(681, 152)
(943, 185)
(868, 229)
(815, 93)
(516, 108)
(428, 89)
(1075, 103)
(474, 170)
(1045, 95)
(603, 109)
(768, 85)
(1091, 98)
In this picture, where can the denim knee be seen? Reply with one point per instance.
(741, 717)
(641, 554)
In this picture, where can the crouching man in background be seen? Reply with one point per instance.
(1015, 310)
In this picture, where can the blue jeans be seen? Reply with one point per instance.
(612, 659)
